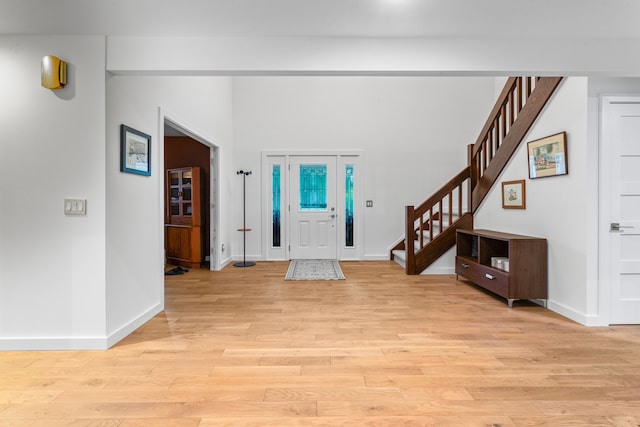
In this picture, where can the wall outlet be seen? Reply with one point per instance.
(369, 203)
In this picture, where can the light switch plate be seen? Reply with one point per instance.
(75, 206)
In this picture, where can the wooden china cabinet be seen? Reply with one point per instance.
(183, 217)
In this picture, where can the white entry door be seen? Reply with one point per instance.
(622, 140)
(313, 213)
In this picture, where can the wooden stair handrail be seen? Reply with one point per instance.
(516, 110)
(434, 207)
(446, 189)
(489, 125)
(518, 106)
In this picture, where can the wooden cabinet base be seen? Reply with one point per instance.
(523, 259)
(183, 245)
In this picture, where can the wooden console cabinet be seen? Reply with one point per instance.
(183, 233)
(524, 257)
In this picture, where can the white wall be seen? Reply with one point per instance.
(413, 132)
(52, 266)
(135, 264)
(557, 208)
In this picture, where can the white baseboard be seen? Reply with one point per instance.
(225, 262)
(383, 257)
(122, 332)
(77, 343)
(53, 343)
(568, 312)
(429, 271)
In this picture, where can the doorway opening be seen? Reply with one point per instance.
(190, 163)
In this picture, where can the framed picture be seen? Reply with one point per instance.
(135, 151)
(513, 195)
(548, 156)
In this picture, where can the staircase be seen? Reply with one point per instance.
(430, 228)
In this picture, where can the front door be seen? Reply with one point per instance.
(312, 207)
(622, 140)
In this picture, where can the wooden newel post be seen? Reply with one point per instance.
(409, 238)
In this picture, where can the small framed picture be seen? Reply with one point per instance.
(135, 151)
(513, 195)
(548, 156)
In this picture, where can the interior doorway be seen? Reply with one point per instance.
(621, 206)
(183, 148)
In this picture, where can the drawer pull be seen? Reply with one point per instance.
(489, 276)
(465, 265)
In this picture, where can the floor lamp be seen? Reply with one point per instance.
(244, 228)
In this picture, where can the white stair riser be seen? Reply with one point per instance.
(400, 255)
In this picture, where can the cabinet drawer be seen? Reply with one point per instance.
(466, 268)
(489, 278)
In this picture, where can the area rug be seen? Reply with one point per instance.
(314, 269)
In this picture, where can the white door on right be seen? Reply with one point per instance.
(621, 131)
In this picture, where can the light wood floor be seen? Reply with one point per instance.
(243, 347)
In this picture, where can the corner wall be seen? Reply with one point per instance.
(556, 207)
(135, 220)
(52, 266)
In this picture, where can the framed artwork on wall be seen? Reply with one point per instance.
(548, 156)
(135, 151)
(513, 194)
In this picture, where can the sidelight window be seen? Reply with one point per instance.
(275, 205)
(348, 205)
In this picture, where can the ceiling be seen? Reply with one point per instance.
(324, 18)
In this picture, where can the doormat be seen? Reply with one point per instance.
(314, 269)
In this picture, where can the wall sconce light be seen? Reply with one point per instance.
(53, 72)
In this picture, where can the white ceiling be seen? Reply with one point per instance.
(332, 18)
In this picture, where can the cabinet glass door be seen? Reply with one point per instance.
(174, 191)
(187, 207)
(180, 193)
